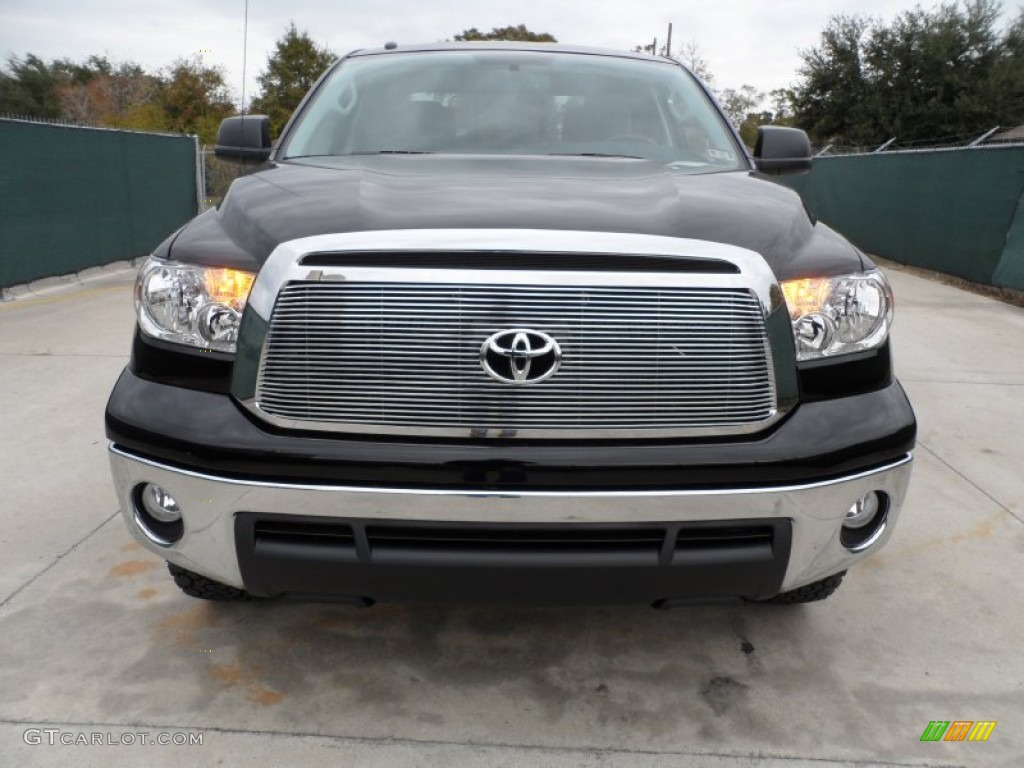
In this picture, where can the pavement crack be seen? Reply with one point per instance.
(56, 560)
(413, 742)
(973, 484)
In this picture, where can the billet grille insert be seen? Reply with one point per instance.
(401, 357)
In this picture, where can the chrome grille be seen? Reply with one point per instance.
(404, 358)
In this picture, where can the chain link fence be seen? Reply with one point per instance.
(995, 136)
(217, 176)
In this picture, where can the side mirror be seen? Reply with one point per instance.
(245, 138)
(781, 151)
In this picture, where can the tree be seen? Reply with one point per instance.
(829, 101)
(77, 73)
(518, 33)
(744, 107)
(187, 97)
(292, 68)
(782, 106)
(29, 87)
(928, 75)
(194, 98)
(741, 104)
(692, 57)
(930, 71)
(97, 92)
(1008, 74)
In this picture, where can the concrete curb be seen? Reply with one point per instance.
(48, 285)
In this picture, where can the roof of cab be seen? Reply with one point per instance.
(507, 45)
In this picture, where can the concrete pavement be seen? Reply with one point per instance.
(95, 638)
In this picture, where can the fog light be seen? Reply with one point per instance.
(863, 512)
(161, 505)
(157, 514)
(864, 522)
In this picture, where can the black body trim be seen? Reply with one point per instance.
(603, 262)
(179, 365)
(842, 377)
(371, 560)
(193, 368)
(210, 432)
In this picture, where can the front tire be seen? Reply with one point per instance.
(808, 593)
(196, 585)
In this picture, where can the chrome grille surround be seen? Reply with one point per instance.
(396, 351)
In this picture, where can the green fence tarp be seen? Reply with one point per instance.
(72, 198)
(1010, 269)
(955, 211)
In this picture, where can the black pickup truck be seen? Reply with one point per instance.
(510, 322)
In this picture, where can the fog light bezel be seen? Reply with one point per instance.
(862, 537)
(160, 532)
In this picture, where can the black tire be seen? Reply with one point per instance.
(195, 585)
(808, 593)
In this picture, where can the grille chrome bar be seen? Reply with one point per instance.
(403, 358)
(614, 356)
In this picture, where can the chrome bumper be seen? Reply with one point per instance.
(209, 504)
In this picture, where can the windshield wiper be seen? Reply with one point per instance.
(594, 154)
(395, 152)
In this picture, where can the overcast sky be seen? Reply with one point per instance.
(743, 41)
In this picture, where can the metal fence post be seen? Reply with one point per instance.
(981, 138)
(200, 177)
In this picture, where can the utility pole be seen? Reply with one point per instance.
(668, 42)
(245, 47)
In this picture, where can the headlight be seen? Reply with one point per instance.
(838, 315)
(188, 304)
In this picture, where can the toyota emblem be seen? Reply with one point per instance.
(520, 356)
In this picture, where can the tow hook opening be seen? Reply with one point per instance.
(865, 521)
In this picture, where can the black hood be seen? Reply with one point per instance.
(350, 194)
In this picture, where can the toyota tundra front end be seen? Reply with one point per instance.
(510, 322)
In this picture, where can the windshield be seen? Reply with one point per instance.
(514, 103)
